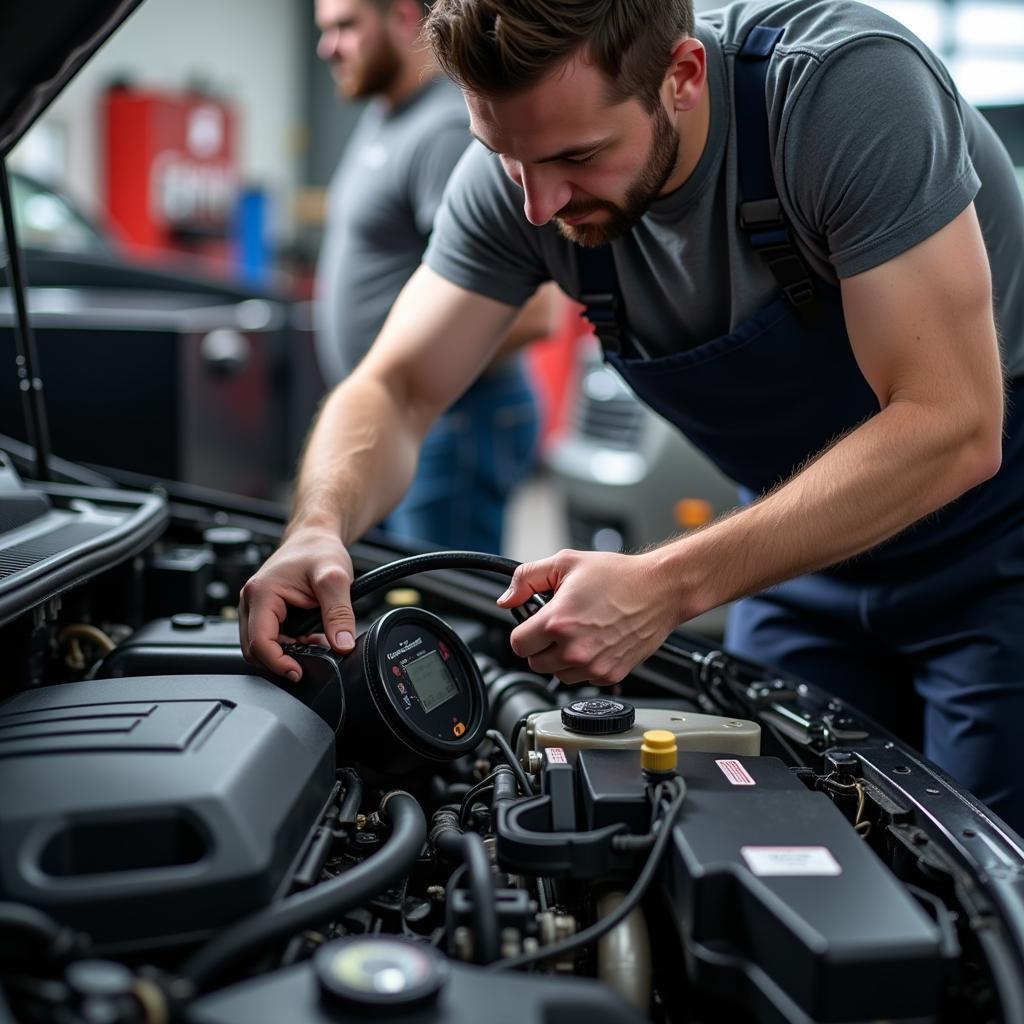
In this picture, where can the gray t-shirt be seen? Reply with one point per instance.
(873, 151)
(381, 206)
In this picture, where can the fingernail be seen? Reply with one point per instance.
(505, 596)
(344, 639)
(292, 675)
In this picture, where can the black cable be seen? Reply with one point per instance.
(476, 792)
(326, 901)
(486, 944)
(353, 797)
(456, 877)
(304, 621)
(472, 797)
(516, 730)
(28, 922)
(513, 762)
(624, 909)
(27, 933)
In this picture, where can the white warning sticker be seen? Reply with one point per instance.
(736, 773)
(556, 755)
(790, 860)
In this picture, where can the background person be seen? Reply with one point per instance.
(381, 206)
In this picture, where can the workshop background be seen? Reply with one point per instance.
(172, 197)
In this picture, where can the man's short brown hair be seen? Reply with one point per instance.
(500, 47)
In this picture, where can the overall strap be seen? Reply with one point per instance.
(760, 212)
(599, 292)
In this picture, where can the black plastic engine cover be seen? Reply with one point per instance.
(184, 644)
(150, 811)
(471, 995)
(782, 905)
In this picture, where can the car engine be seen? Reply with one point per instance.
(427, 829)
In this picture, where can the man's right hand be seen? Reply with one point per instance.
(311, 568)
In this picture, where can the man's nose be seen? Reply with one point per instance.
(327, 44)
(545, 192)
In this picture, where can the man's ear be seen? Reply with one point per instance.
(686, 75)
(406, 17)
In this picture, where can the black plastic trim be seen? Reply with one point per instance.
(30, 587)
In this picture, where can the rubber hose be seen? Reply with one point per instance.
(303, 621)
(486, 944)
(326, 901)
(26, 932)
(446, 835)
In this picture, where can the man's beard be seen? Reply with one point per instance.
(376, 74)
(645, 188)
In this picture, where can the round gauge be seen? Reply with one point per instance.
(414, 693)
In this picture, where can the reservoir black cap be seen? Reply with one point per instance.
(598, 716)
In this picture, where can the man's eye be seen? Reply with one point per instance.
(580, 161)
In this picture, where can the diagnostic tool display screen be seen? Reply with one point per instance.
(431, 680)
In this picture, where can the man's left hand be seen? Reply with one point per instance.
(608, 613)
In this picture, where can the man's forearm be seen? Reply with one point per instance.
(358, 461)
(894, 469)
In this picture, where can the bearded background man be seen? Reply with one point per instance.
(794, 238)
(381, 207)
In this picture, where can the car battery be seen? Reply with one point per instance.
(783, 905)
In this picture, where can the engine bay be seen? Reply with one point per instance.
(428, 829)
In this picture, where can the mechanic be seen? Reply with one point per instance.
(381, 207)
(788, 229)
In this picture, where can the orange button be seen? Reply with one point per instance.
(458, 728)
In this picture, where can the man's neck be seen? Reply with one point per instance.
(419, 69)
(693, 126)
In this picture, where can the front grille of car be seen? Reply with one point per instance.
(605, 412)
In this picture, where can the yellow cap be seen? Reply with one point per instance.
(658, 753)
(402, 597)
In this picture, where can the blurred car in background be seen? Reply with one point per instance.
(49, 222)
(629, 477)
(218, 381)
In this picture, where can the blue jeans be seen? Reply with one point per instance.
(471, 460)
(936, 655)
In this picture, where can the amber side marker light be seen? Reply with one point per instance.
(693, 512)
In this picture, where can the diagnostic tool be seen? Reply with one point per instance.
(409, 692)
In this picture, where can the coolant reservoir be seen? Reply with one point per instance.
(610, 724)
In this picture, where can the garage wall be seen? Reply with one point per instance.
(249, 51)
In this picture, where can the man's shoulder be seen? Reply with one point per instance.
(813, 28)
(438, 106)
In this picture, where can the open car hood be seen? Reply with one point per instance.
(42, 47)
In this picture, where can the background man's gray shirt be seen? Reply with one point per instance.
(380, 210)
(873, 151)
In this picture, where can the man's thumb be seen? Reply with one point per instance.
(340, 627)
(528, 579)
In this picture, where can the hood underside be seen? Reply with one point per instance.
(42, 47)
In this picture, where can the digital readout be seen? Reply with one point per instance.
(431, 680)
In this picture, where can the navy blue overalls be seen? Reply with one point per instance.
(937, 613)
